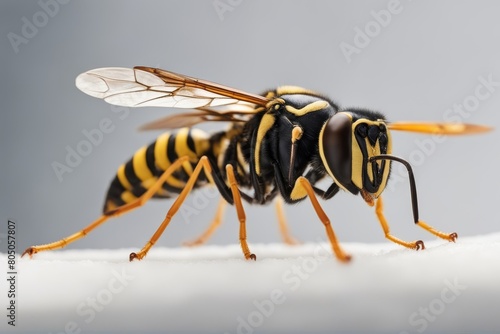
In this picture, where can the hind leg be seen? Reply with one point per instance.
(140, 201)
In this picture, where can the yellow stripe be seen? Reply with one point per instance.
(140, 166)
(128, 197)
(182, 149)
(357, 157)
(265, 124)
(315, 106)
(241, 160)
(293, 90)
(151, 182)
(161, 160)
(201, 141)
(122, 178)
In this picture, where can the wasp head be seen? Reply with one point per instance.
(347, 142)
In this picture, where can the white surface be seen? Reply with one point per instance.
(208, 288)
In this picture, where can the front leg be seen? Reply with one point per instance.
(419, 244)
(302, 189)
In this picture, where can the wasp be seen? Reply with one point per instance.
(278, 146)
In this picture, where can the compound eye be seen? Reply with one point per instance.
(362, 130)
(337, 148)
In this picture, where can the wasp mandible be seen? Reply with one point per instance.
(279, 146)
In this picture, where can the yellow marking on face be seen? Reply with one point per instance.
(122, 178)
(283, 90)
(357, 158)
(266, 123)
(311, 107)
(140, 166)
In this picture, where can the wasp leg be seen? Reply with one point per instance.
(240, 212)
(447, 236)
(303, 188)
(211, 229)
(202, 164)
(285, 231)
(112, 213)
(379, 207)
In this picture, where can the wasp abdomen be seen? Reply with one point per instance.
(137, 175)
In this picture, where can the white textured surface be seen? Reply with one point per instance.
(211, 289)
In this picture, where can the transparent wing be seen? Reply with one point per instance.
(146, 86)
(239, 112)
(439, 128)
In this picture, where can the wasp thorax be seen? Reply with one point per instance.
(347, 142)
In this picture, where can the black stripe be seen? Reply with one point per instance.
(171, 189)
(171, 154)
(115, 187)
(150, 159)
(190, 142)
(130, 173)
(114, 194)
(138, 190)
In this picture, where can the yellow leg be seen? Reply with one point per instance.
(419, 244)
(447, 236)
(211, 229)
(302, 184)
(285, 232)
(112, 213)
(240, 212)
(202, 164)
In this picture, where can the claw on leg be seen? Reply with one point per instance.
(30, 251)
(452, 237)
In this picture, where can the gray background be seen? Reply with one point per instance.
(426, 59)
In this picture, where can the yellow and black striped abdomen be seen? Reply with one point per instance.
(138, 174)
